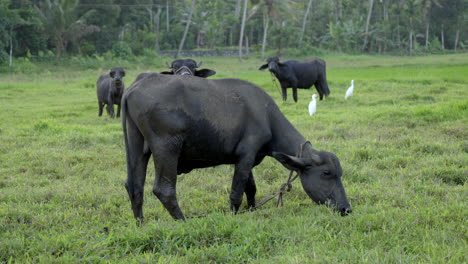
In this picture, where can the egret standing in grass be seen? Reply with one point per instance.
(349, 92)
(313, 105)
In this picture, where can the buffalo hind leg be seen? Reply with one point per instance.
(137, 162)
(250, 191)
(284, 93)
(165, 181)
(295, 94)
(319, 89)
(322, 87)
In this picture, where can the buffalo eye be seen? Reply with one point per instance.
(326, 172)
(112, 74)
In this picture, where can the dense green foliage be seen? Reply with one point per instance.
(402, 139)
(85, 27)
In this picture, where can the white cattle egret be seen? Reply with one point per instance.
(313, 105)
(349, 92)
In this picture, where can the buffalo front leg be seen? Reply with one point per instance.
(118, 110)
(110, 109)
(239, 182)
(284, 93)
(165, 183)
(250, 191)
(110, 105)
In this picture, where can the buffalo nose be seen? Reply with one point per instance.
(345, 211)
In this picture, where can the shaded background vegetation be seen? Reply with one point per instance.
(53, 28)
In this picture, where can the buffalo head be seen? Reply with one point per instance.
(188, 67)
(273, 64)
(117, 73)
(320, 175)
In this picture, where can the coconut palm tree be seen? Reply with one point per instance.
(61, 23)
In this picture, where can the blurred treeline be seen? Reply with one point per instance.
(55, 28)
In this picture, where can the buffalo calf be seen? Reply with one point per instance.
(110, 87)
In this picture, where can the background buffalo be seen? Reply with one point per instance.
(188, 67)
(297, 74)
(110, 87)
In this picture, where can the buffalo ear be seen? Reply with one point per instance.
(204, 73)
(264, 66)
(167, 72)
(291, 162)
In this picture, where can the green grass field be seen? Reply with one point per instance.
(402, 140)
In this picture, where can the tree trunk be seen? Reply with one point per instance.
(410, 38)
(426, 45)
(11, 46)
(305, 21)
(457, 37)
(158, 21)
(398, 32)
(442, 39)
(189, 21)
(237, 10)
(58, 47)
(369, 15)
(247, 51)
(265, 32)
(338, 10)
(242, 29)
(167, 15)
(150, 11)
(385, 10)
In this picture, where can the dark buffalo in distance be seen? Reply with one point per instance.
(188, 67)
(189, 123)
(299, 74)
(110, 87)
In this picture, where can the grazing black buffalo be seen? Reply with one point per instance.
(188, 67)
(110, 87)
(190, 122)
(297, 74)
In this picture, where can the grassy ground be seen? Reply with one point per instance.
(402, 140)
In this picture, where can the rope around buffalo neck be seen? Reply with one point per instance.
(275, 84)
